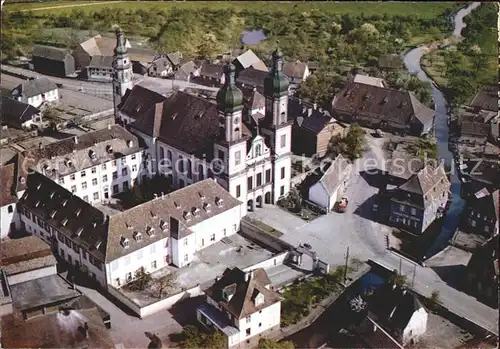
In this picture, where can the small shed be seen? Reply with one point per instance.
(53, 61)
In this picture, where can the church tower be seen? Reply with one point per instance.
(230, 106)
(278, 129)
(122, 70)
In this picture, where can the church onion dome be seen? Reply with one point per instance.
(276, 83)
(229, 97)
(120, 48)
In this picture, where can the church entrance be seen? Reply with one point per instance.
(259, 201)
(250, 205)
(267, 198)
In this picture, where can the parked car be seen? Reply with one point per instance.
(342, 205)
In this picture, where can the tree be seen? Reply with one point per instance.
(266, 343)
(434, 300)
(141, 280)
(295, 199)
(165, 283)
(355, 141)
(192, 338)
(397, 279)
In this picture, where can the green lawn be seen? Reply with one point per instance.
(418, 9)
(434, 65)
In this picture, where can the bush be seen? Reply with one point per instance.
(265, 343)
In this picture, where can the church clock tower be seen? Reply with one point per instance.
(122, 70)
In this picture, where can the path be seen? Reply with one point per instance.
(66, 6)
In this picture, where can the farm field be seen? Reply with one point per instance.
(417, 9)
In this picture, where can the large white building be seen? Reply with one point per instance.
(36, 92)
(189, 138)
(242, 306)
(110, 249)
(94, 166)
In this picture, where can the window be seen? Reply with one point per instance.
(153, 265)
(282, 173)
(61, 180)
(402, 208)
(61, 252)
(200, 171)
(82, 174)
(413, 211)
(84, 185)
(103, 166)
(238, 191)
(125, 185)
(186, 257)
(115, 175)
(113, 163)
(84, 254)
(249, 319)
(93, 170)
(124, 171)
(221, 155)
(76, 248)
(115, 189)
(260, 324)
(105, 178)
(235, 227)
(237, 157)
(73, 188)
(473, 223)
(258, 150)
(268, 176)
(86, 198)
(212, 237)
(94, 181)
(134, 168)
(169, 155)
(96, 195)
(259, 179)
(124, 160)
(248, 331)
(72, 177)
(129, 274)
(282, 190)
(10, 209)
(282, 141)
(185, 242)
(181, 183)
(133, 157)
(249, 183)
(117, 282)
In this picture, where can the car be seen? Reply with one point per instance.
(342, 205)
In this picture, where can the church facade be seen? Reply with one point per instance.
(190, 138)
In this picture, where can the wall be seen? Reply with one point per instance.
(170, 301)
(278, 259)
(318, 195)
(259, 322)
(6, 219)
(416, 326)
(254, 233)
(32, 275)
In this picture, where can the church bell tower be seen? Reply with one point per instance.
(122, 70)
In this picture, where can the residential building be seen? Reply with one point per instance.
(201, 139)
(95, 46)
(401, 167)
(474, 133)
(36, 92)
(400, 313)
(297, 71)
(383, 108)
(94, 166)
(160, 67)
(483, 272)
(254, 106)
(370, 80)
(420, 200)
(52, 61)
(313, 128)
(330, 188)
(482, 213)
(369, 334)
(100, 69)
(249, 59)
(65, 328)
(242, 306)
(13, 179)
(252, 78)
(211, 74)
(142, 61)
(175, 59)
(186, 71)
(19, 115)
(135, 103)
(26, 259)
(478, 173)
(167, 230)
(486, 99)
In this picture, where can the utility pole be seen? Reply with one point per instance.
(346, 263)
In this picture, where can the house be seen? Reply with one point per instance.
(52, 61)
(175, 59)
(26, 259)
(96, 46)
(486, 99)
(211, 74)
(109, 249)
(382, 108)
(332, 184)
(135, 103)
(297, 71)
(206, 139)
(242, 306)
(100, 69)
(13, 178)
(483, 272)
(251, 78)
(400, 313)
(255, 104)
(370, 334)
(160, 67)
(420, 200)
(474, 133)
(36, 92)
(482, 213)
(401, 167)
(19, 115)
(249, 59)
(479, 173)
(64, 328)
(313, 128)
(369, 80)
(94, 165)
(186, 71)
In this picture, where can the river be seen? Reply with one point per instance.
(412, 64)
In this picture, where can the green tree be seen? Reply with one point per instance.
(165, 283)
(461, 89)
(141, 280)
(192, 338)
(397, 279)
(355, 142)
(265, 343)
(434, 300)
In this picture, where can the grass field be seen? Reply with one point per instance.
(433, 63)
(418, 9)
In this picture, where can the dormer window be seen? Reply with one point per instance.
(109, 149)
(137, 236)
(22, 180)
(228, 292)
(98, 244)
(38, 186)
(68, 163)
(129, 226)
(92, 154)
(130, 144)
(196, 211)
(163, 225)
(201, 195)
(176, 204)
(186, 215)
(385, 100)
(79, 231)
(124, 242)
(37, 203)
(78, 211)
(206, 206)
(218, 202)
(53, 213)
(64, 222)
(150, 231)
(154, 215)
(64, 203)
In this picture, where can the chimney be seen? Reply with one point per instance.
(162, 195)
(76, 140)
(315, 106)
(109, 126)
(156, 196)
(309, 112)
(40, 146)
(174, 226)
